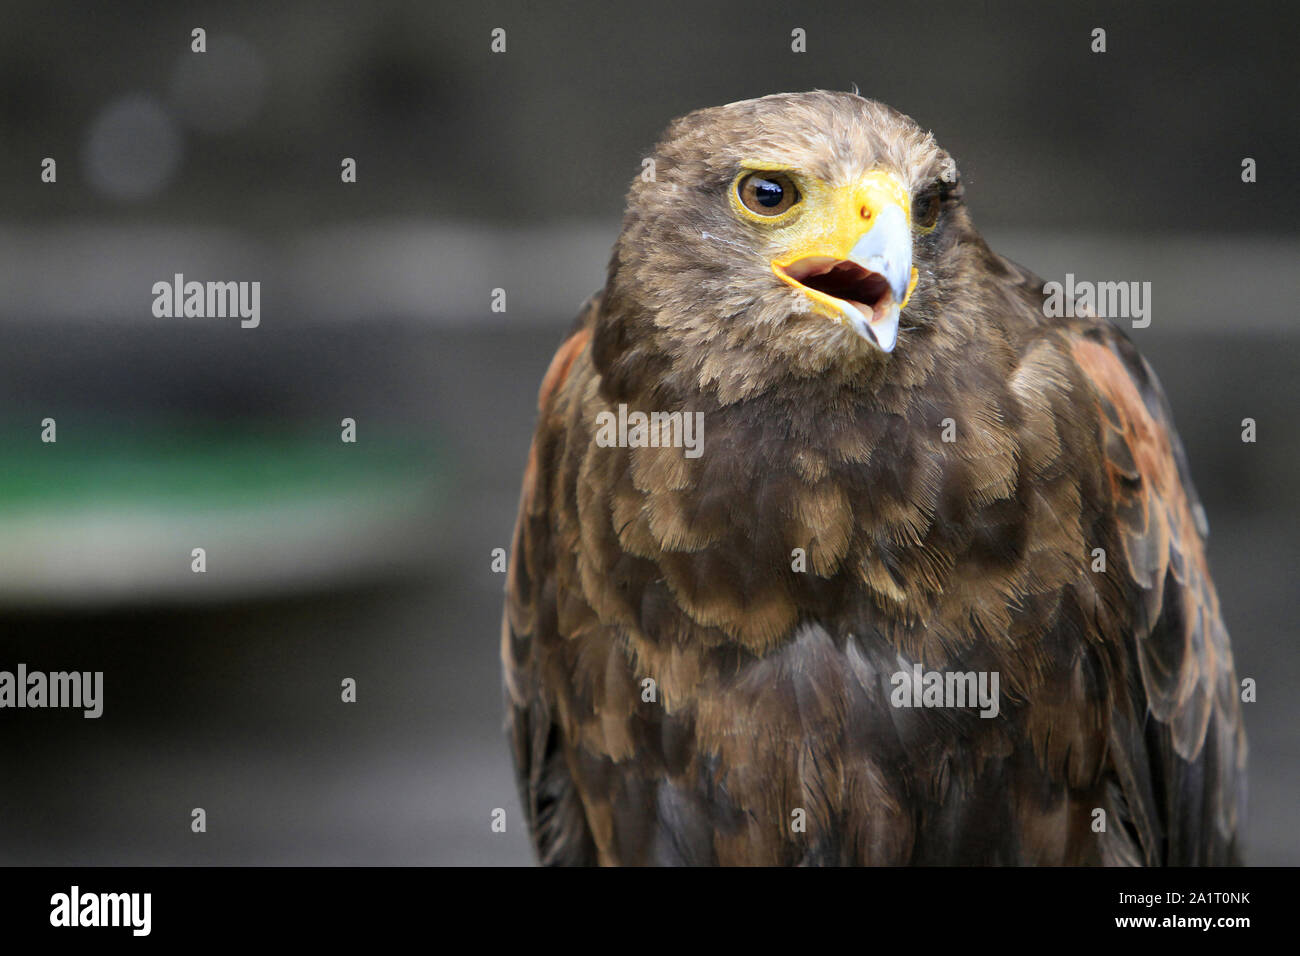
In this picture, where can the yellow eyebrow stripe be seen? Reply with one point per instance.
(761, 166)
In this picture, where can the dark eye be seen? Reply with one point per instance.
(768, 194)
(926, 208)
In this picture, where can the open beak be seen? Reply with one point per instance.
(854, 259)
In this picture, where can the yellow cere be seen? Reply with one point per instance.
(828, 221)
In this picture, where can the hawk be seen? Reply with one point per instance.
(911, 488)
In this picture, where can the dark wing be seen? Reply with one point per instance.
(1181, 760)
(556, 819)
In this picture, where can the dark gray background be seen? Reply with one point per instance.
(479, 171)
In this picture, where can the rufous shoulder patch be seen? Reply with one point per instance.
(563, 361)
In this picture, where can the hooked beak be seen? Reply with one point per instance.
(854, 260)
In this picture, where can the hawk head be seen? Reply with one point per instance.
(792, 236)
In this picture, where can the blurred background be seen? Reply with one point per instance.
(475, 171)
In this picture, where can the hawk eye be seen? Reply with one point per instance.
(925, 210)
(767, 194)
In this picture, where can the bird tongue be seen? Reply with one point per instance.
(864, 296)
(848, 281)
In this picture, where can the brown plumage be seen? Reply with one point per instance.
(772, 684)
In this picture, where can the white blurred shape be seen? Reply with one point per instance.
(133, 148)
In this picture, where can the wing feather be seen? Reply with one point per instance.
(553, 807)
(1183, 769)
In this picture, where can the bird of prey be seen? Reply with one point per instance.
(909, 488)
